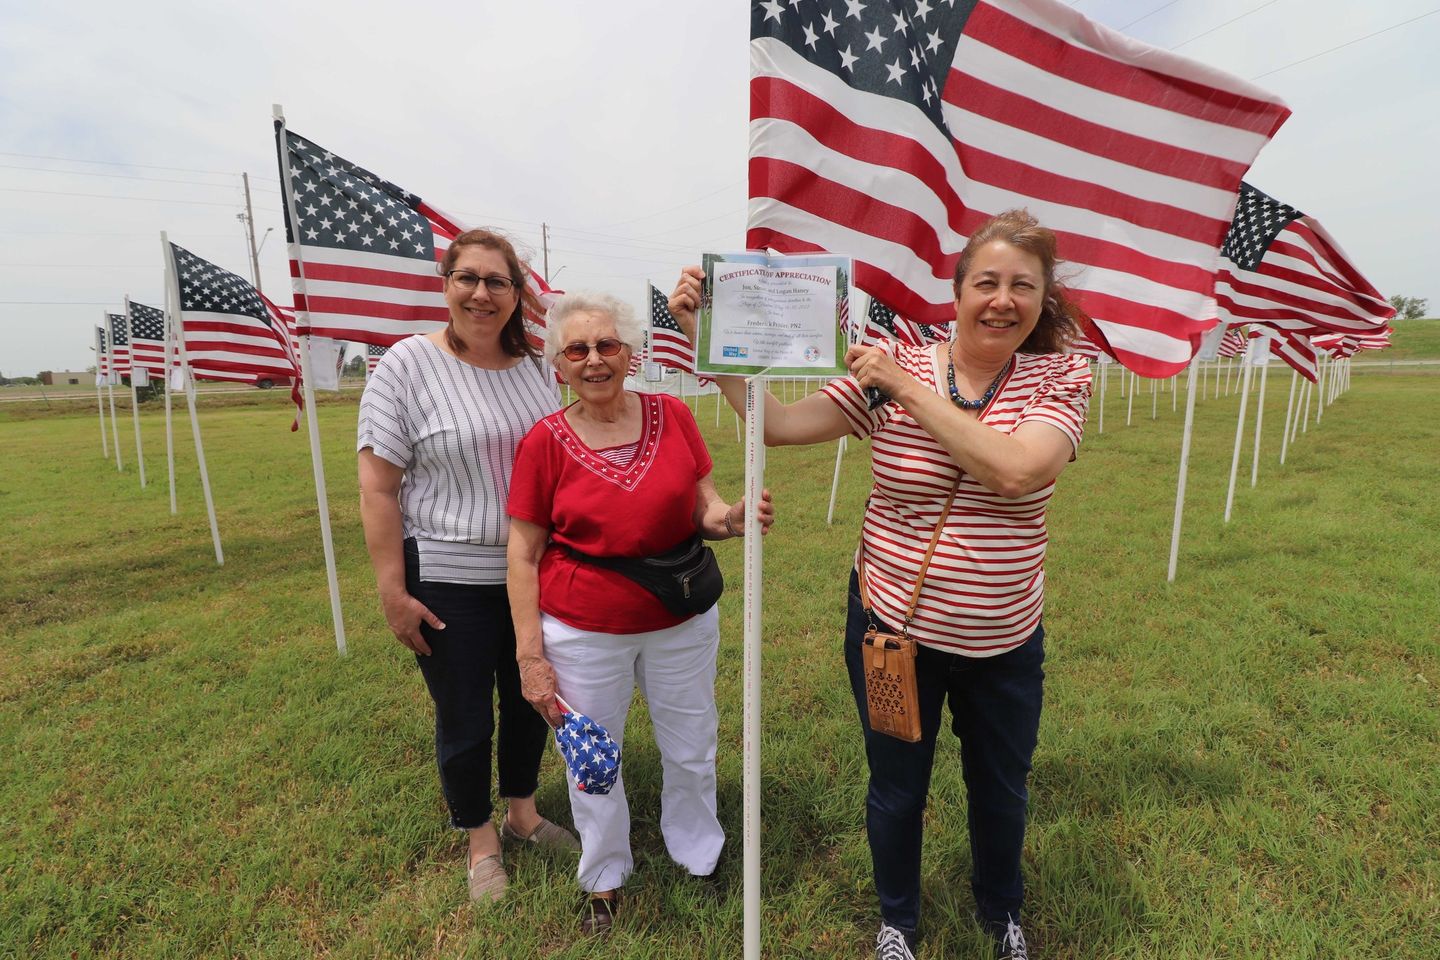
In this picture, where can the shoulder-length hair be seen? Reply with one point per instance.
(512, 336)
(1059, 324)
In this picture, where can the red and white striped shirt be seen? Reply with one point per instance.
(985, 589)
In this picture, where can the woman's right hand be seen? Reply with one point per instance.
(403, 614)
(686, 299)
(537, 685)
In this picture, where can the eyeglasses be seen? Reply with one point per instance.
(466, 280)
(607, 347)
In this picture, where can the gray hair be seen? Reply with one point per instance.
(627, 327)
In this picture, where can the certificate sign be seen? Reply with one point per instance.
(777, 315)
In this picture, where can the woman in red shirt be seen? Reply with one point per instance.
(618, 474)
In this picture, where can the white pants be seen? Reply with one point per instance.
(597, 673)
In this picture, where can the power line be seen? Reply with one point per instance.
(728, 186)
(1345, 44)
(1225, 24)
(1148, 15)
(137, 166)
(105, 196)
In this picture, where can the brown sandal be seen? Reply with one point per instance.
(597, 914)
(487, 878)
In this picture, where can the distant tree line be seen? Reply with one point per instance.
(1409, 308)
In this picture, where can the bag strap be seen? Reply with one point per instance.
(924, 566)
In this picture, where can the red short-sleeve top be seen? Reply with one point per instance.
(591, 504)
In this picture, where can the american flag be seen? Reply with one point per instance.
(1281, 268)
(1342, 345)
(669, 346)
(119, 344)
(882, 323)
(370, 251)
(147, 337)
(890, 130)
(373, 354)
(1233, 343)
(1293, 347)
(232, 332)
(591, 755)
(102, 356)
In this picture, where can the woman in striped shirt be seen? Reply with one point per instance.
(998, 411)
(439, 423)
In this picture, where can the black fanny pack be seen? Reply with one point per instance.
(686, 578)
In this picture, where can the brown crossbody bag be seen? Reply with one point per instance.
(888, 659)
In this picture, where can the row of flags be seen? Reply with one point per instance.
(887, 131)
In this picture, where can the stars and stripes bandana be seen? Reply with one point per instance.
(591, 755)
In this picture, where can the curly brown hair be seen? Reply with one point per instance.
(512, 336)
(1059, 323)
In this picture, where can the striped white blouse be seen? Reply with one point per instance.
(984, 592)
(453, 428)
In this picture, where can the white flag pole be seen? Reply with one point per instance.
(1259, 417)
(312, 422)
(754, 484)
(174, 287)
(1229, 365)
(1174, 392)
(1184, 469)
(835, 484)
(1239, 426)
(110, 390)
(1320, 389)
(1307, 388)
(1154, 399)
(99, 391)
(170, 311)
(1289, 415)
(1104, 378)
(1134, 378)
(134, 396)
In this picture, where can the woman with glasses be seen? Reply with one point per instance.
(618, 474)
(439, 422)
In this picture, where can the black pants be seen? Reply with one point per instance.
(995, 711)
(469, 659)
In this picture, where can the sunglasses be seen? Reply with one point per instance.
(607, 347)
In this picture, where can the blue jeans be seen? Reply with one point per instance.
(471, 660)
(995, 711)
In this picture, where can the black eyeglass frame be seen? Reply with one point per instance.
(506, 285)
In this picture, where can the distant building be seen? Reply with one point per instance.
(61, 378)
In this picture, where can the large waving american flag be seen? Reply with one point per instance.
(890, 130)
(370, 251)
(232, 332)
(1281, 268)
(1233, 343)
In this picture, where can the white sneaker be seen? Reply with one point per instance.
(891, 945)
(1011, 945)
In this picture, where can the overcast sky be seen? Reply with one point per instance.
(621, 125)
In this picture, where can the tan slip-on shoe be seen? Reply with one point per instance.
(487, 878)
(546, 835)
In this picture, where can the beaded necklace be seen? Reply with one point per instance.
(964, 404)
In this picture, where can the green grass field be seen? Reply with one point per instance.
(1244, 763)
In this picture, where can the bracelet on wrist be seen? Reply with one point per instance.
(730, 527)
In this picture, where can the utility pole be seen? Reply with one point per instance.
(249, 219)
(545, 250)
